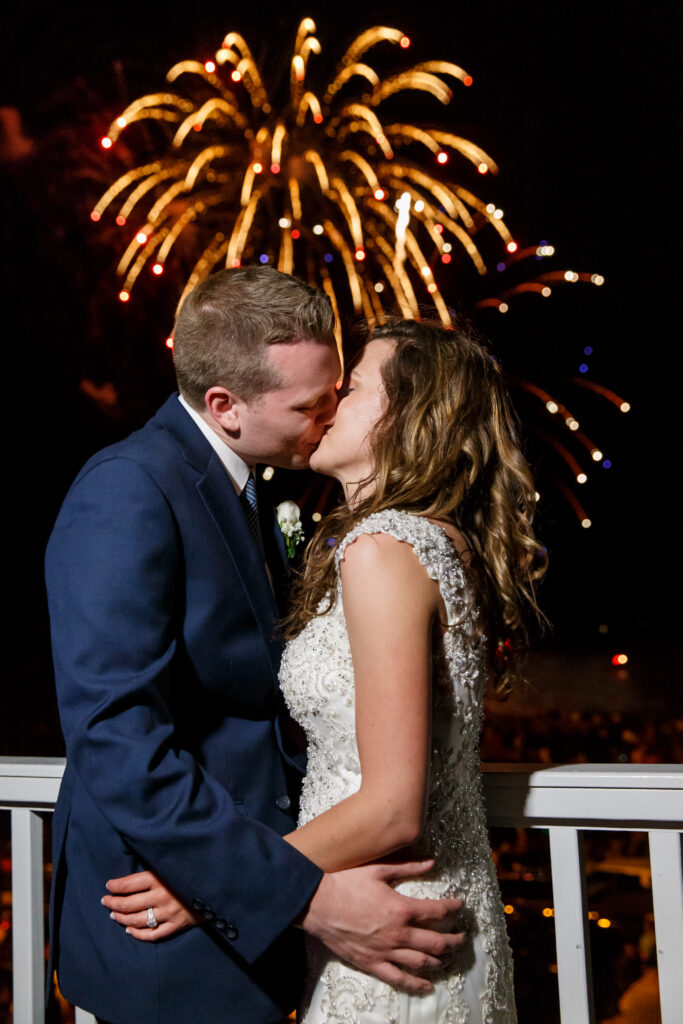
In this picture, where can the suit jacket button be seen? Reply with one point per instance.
(197, 904)
(283, 802)
(221, 924)
(209, 915)
(231, 932)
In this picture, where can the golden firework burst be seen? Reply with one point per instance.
(325, 180)
(328, 185)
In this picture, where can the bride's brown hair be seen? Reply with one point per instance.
(447, 447)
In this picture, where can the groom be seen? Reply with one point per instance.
(164, 572)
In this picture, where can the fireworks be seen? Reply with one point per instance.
(327, 187)
(332, 185)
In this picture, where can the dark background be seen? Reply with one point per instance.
(578, 103)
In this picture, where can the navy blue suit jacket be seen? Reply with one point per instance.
(166, 657)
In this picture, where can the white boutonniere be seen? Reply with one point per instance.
(289, 521)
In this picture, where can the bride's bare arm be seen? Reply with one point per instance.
(389, 605)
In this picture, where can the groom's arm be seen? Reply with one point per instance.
(112, 570)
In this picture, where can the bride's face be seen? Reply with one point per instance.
(344, 451)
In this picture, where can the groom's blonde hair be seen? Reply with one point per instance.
(225, 325)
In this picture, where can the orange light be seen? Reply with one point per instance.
(257, 168)
(431, 287)
(95, 216)
(604, 922)
(236, 76)
(169, 343)
(318, 118)
(121, 122)
(141, 237)
(442, 158)
(106, 142)
(296, 233)
(379, 194)
(446, 258)
(124, 296)
(620, 659)
(404, 42)
(360, 255)
(158, 268)
(548, 912)
(120, 220)
(236, 263)
(274, 168)
(210, 66)
(483, 168)
(512, 247)
(439, 228)
(467, 80)
(508, 908)
(197, 127)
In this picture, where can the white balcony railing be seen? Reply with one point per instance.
(566, 801)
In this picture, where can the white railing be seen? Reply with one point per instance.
(566, 801)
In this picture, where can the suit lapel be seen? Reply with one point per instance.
(223, 505)
(220, 498)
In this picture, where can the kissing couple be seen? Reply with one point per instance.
(185, 661)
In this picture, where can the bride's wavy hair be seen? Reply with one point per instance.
(447, 447)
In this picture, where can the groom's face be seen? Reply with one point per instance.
(284, 427)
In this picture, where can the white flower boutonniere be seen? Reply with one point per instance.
(289, 520)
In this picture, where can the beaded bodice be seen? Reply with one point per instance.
(316, 677)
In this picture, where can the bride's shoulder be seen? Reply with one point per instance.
(382, 539)
(370, 531)
(379, 570)
(409, 538)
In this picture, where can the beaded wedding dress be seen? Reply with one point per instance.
(317, 681)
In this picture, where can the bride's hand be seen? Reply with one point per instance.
(130, 898)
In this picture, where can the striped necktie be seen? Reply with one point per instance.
(250, 506)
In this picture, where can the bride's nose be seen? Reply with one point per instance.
(329, 410)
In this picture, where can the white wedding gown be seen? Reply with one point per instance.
(317, 681)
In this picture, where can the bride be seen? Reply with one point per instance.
(407, 593)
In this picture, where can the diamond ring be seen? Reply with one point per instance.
(151, 919)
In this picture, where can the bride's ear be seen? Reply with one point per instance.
(224, 408)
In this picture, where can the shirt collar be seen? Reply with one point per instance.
(238, 470)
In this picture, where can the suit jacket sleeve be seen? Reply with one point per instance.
(112, 567)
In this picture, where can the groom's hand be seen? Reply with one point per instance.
(362, 919)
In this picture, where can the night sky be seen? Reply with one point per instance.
(579, 105)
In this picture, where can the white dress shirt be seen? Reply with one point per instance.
(238, 470)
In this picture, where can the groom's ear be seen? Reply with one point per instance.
(224, 408)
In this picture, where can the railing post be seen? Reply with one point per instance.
(667, 901)
(28, 935)
(571, 926)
